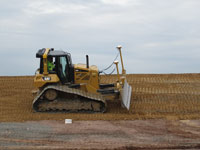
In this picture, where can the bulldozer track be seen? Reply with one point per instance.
(90, 102)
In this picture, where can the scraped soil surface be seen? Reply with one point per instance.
(171, 96)
(118, 135)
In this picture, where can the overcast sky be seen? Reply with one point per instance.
(157, 36)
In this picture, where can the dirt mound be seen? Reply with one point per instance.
(172, 96)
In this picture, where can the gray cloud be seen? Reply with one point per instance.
(157, 36)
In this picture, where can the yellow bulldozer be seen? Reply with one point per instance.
(66, 87)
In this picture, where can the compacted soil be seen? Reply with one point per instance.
(174, 96)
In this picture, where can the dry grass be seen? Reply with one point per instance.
(170, 96)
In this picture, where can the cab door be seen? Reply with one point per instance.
(63, 69)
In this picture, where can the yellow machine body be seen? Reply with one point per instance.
(39, 80)
(75, 87)
(88, 78)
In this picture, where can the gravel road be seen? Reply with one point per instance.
(137, 134)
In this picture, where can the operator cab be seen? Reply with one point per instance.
(62, 64)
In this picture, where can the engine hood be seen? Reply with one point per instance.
(84, 67)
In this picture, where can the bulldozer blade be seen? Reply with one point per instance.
(126, 95)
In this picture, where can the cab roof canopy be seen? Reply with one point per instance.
(52, 53)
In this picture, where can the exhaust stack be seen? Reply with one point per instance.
(87, 61)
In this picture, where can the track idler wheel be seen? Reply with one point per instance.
(51, 94)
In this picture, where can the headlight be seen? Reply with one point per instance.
(46, 78)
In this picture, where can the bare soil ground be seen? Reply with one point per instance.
(118, 135)
(158, 103)
(171, 96)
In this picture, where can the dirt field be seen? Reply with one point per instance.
(171, 96)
